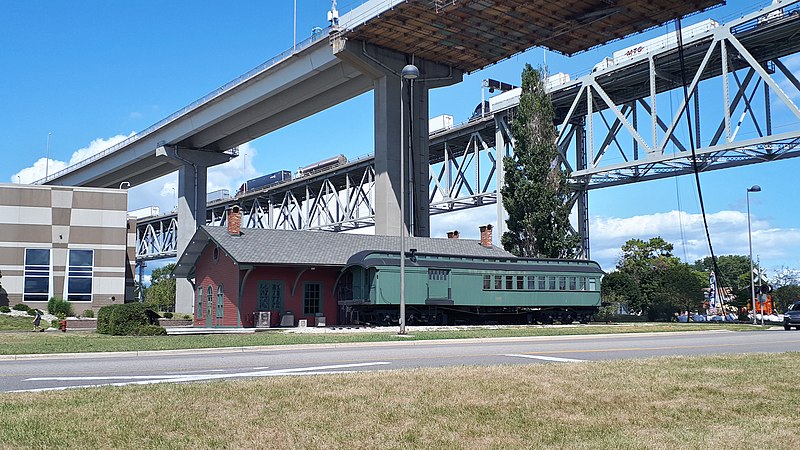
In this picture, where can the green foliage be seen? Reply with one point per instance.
(650, 280)
(168, 315)
(21, 307)
(32, 312)
(621, 288)
(59, 307)
(150, 330)
(646, 262)
(535, 190)
(122, 320)
(161, 293)
(785, 295)
(89, 313)
(5, 309)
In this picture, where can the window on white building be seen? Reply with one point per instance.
(37, 275)
(79, 275)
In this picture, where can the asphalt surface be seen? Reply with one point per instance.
(29, 373)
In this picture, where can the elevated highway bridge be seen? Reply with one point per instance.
(364, 50)
(652, 141)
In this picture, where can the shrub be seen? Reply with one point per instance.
(21, 307)
(5, 309)
(89, 313)
(125, 319)
(168, 315)
(150, 330)
(59, 307)
(32, 312)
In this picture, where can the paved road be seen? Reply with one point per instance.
(84, 370)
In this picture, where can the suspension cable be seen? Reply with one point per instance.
(695, 168)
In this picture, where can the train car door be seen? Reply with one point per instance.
(438, 284)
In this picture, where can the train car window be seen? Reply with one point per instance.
(582, 283)
(520, 283)
(487, 282)
(438, 274)
(551, 283)
(509, 282)
(592, 284)
(531, 283)
(498, 282)
(572, 283)
(542, 283)
(562, 283)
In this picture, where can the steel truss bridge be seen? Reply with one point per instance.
(617, 125)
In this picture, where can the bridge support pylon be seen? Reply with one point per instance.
(192, 194)
(401, 116)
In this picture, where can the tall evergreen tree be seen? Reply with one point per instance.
(535, 190)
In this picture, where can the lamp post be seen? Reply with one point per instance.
(410, 72)
(47, 158)
(754, 188)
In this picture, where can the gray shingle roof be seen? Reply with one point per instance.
(262, 246)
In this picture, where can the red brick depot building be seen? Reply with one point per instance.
(292, 275)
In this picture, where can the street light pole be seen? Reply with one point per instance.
(47, 158)
(410, 72)
(754, 188)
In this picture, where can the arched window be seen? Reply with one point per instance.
(220, 301)
(209, 301)
(199, 308)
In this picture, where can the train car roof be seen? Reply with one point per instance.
(509, 263)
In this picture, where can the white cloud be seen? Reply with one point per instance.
(42, 166)
(775, 246)
(728, 231)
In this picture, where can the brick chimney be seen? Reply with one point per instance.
(234, 221)
(486, 235)
(453, 234)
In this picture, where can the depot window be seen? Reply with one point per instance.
(312, 299)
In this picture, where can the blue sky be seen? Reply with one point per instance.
(89, 73)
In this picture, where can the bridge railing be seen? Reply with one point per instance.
(323, 33)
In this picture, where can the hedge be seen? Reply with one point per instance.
(125, 319)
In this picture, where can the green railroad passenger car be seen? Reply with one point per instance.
(444, 289)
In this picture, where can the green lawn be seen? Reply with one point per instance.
(76, 342)
(710, 402)
(18, 323)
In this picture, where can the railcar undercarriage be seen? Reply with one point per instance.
(459, 315)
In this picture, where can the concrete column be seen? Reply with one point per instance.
(192, 180)
(393, 125)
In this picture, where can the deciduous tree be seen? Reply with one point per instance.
(161, 292)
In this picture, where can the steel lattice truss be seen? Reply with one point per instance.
(739, 105)
(622, 124)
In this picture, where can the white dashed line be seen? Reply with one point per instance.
(157, 379)
(545, 358)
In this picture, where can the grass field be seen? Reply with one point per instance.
(727, 402)
(78, 342)
(19, 323)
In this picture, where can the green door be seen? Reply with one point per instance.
(438, 284)
(209, 306)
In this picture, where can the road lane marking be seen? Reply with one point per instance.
(544, 358)
(157, 379)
